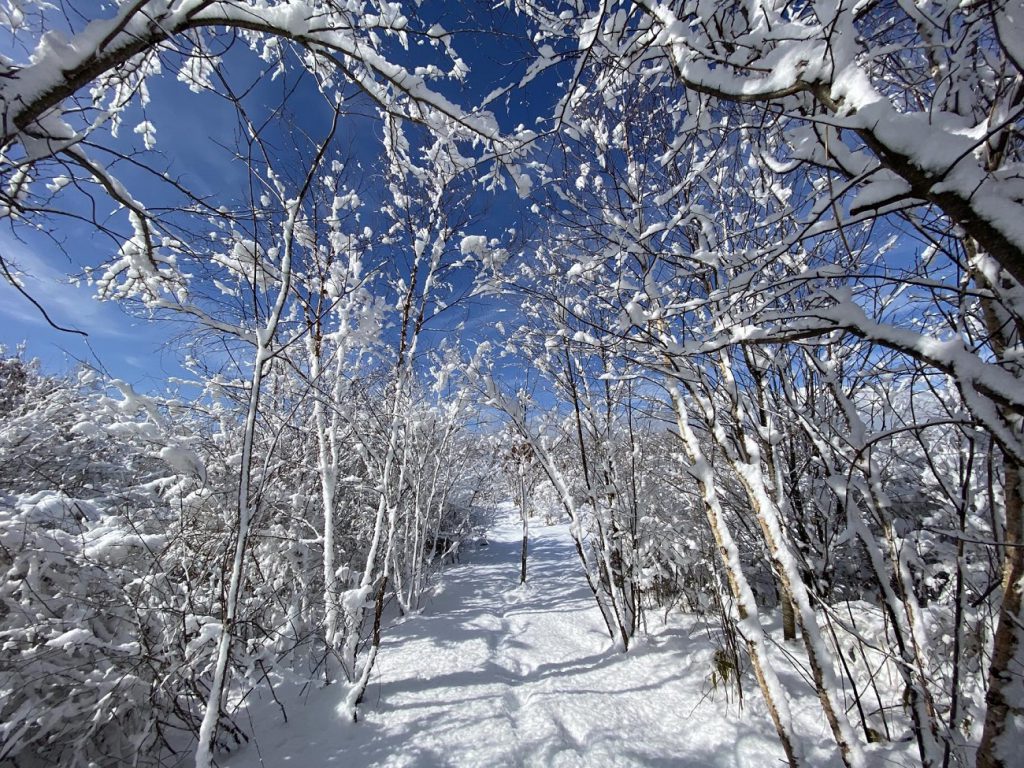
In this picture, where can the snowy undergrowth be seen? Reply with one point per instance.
(493, 674)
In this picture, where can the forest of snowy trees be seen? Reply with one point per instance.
(760, 267)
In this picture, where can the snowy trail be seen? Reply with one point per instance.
(496, 675)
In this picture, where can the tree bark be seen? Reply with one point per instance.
(788, 616)
(526, 531)
(749, 623)
(1003, 733)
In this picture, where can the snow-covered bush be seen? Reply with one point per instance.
(92, 612)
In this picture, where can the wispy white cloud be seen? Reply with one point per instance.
(68, 305)
(123, 346)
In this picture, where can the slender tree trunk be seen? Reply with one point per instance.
(522, 569)
(746, 459)
(328, 470)
(208, 727)
(526, 529)
(753, 360)
(1003, 734)
(749, 623)
(788, 616)
(898, 600)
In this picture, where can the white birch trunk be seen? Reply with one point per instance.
(910, 662)
(748, 468)
(774, 694)
(204, 748)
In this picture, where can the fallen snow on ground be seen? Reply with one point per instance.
(493, 674)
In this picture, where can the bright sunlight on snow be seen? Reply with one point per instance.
(497, 674)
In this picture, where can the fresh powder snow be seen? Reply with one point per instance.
(494, 674)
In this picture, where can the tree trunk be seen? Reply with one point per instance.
(788, 615)
(1003, 734)
(749, 624)
(522, 570)
(526, 526)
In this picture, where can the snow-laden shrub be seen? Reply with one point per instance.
(75, 682)
(97, 618)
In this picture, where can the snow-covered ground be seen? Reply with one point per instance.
(491, 674)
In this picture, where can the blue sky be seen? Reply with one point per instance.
(126, 347)
(189, 128)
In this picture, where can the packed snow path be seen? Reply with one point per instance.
(492, 674)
